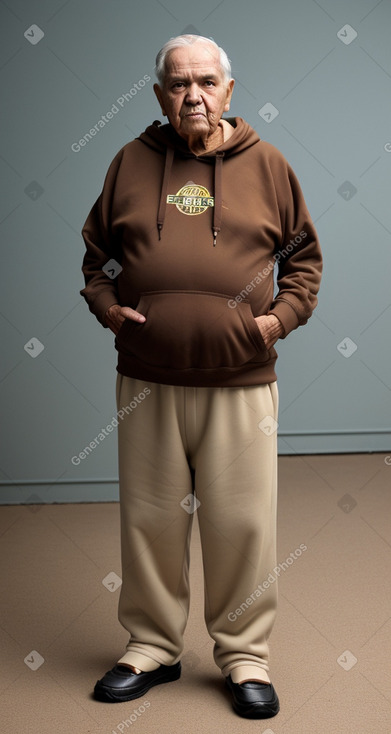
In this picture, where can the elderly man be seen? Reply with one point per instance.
(194, 215)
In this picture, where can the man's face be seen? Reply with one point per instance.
(195, 93)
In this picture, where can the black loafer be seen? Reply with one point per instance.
(121, 684)
(253, 699)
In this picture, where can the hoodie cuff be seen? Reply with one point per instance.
(101, 304)
(286, 314)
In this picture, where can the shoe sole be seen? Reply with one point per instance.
(110, 695)
(255, 712)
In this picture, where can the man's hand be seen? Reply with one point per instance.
(271, 329)
(116, 315)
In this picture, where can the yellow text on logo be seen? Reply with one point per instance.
(191, 199)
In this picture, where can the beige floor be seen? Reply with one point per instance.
(330, 646)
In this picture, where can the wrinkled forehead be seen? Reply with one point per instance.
(198, 58)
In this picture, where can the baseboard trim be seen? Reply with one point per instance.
(36, 492)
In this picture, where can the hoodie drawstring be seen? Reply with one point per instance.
(218, 201)
(164, 188)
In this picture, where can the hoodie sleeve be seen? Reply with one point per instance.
(298, 256)
(102, 245)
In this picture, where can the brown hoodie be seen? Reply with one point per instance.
(196, 238)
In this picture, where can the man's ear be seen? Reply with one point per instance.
(230, 89)
(159, 96)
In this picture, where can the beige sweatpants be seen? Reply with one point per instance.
(182, 448)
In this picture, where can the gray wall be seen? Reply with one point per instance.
(333, 95)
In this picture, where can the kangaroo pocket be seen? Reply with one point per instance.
(192, 330)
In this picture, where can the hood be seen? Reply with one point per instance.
(165, 140)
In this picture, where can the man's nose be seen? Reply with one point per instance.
(193, 95)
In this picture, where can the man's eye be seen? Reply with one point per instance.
(178, 85)
(209, 83)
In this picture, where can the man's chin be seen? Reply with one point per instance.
(194, 123)
(195, 127)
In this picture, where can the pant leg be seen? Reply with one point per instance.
(155, 529)
(236, 484)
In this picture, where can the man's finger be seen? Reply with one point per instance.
(130, 313)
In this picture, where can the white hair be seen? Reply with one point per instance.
(187, 40)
